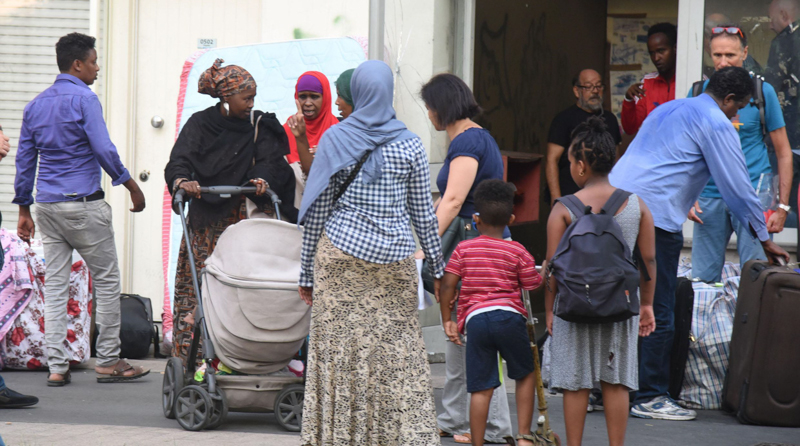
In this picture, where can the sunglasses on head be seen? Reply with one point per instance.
(730, 30)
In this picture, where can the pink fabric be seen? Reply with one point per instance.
(15, 282)
(24, 346)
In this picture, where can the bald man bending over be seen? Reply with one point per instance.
(588, 89)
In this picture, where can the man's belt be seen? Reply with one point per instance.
(99, 195)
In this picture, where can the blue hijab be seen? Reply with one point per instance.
(371, 125)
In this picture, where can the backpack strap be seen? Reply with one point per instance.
(759, 101)
(697, 88)
(615, 201)
(574, 204)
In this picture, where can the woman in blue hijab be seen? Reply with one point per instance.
(368, 379)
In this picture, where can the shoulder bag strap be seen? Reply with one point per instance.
(760, 101)
(350, 178)
(615, 201)
(697, 88)
(255, 124)
(574, 204)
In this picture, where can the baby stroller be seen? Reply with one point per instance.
(250, 317)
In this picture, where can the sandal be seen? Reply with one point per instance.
(528, 437)
(66, 379)
(443, 434)
(119, 374)
(465, 438)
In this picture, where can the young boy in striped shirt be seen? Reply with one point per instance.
(492, 272)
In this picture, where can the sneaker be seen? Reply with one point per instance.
(595, 403)
(663, 408)
(11, 399)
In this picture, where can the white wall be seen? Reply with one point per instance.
(313, 19)
(419, 39)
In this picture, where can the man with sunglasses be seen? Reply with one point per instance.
(656, 88)
(588, 89)
(713, 220)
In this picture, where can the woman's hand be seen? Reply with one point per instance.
(451, 330)
(192, 188)
(261, 186)
(647, 320)
(297, 124)
(305, 293)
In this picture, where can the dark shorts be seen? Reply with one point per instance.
(497, 331)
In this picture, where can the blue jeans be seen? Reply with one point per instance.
(710, 240)
(654, 350)
(2, 383)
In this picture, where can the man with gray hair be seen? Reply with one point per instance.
(588, 88)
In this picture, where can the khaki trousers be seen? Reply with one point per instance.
(85, 227)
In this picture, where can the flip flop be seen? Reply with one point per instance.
(465, 438)
(118, 375)
(67, 378)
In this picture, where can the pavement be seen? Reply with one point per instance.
(88, 413)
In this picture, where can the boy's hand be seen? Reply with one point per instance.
(437, 285)
(451, 330)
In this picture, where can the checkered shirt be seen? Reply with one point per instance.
(371, 221)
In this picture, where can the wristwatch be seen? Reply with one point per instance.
(785, 207)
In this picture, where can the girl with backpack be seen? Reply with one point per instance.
(591, 349)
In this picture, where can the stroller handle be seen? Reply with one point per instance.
(180, 195)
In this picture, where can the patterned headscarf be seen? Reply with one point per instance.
(221, 82)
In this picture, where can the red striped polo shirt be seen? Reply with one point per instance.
(493, 272)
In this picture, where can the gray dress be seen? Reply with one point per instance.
(582, 355)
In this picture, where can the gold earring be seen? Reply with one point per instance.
(581, 174)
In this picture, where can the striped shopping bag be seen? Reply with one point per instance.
(712, 325)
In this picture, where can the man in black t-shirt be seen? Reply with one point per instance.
(588, 88)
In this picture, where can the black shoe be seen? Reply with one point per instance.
(11, 399)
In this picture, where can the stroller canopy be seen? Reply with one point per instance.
(256, 320)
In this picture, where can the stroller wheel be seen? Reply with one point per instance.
(289, 407)
(172, 385)
(193, 408)
(220, 409)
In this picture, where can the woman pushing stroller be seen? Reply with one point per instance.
(220, 146)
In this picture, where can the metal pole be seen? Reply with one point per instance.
(377, 25)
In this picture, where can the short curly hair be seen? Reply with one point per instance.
(494, 202)
(592, 144)
(450, 98)
(668, 29)
(731, 80)
(72, 47)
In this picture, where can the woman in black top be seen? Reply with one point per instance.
(218, 146)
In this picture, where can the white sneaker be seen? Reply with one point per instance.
(663, 408)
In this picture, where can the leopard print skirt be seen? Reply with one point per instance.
(368, 380)
(204, 240)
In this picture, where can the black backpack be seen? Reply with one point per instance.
(137, 331)
(593, 266)
(758, 98)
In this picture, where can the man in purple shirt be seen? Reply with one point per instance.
(64, 131)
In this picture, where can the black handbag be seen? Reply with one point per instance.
(459, 230)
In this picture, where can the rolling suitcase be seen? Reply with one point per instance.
(684, 304)
(763, 384)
